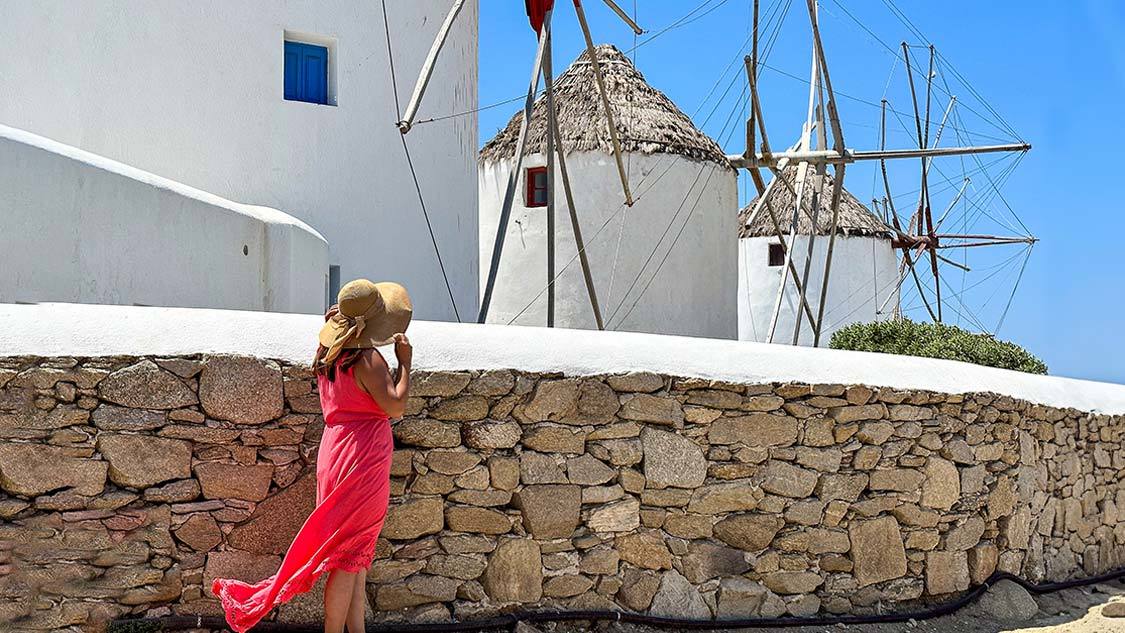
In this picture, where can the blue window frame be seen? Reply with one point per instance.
(306, 72)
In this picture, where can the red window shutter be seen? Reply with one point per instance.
(535, 187)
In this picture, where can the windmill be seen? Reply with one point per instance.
(539, 15)
(920, 239)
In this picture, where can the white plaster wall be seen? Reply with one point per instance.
(96, 330)
(693, 291)
(864, 274)
(192, 91)
(79, 227)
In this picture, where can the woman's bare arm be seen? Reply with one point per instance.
(374, 376)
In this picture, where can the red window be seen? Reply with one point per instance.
(777, 255)
(536, 186)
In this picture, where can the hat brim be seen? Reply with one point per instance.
(381, 327)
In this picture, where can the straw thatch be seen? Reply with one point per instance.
(647, 121)
(854, 219)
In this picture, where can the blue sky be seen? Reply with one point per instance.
(1051, 70)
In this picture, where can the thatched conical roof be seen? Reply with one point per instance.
(647, 120)
(854, 219)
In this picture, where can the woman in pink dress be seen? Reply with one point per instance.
(358, 395)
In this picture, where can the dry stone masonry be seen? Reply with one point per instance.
(129, 483)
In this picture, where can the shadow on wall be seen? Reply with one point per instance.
(129, 483)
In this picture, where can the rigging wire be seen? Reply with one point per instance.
(682, 21)
(410, 163)
(845, 95)
(1012, 296)
(628, 171)
(905, 20)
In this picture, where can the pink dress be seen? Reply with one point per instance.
(352, 490)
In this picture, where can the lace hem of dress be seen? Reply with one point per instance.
(242, 619)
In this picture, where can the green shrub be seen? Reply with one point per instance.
(935, 340)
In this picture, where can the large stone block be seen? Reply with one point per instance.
(494, 382)
(241, 389)
(234, 481)
(138, 461)
(654, 409)
(749, 532)
(428, 433)
(982, 561)
(672, 460)
(146, 386)
(461, 409)
(514, 572)
(597, 404)
(552, 400)
(447, 462)
(488, 435)
(555, 439)
(756, 430)
(417, 590)
(896, 479)
(942, 487)
(477, 520)
(705, 561)
(276, 520)
(639, 381)
(33, 469)
(965, 535)
(787, 480)
(460, 566)
(622, 516)
(413, 519)
(200, 532)
(426, 384)
(678, 598)
(877, 552)
(841, 487)
(587, 470)
(719, 498)
(644, 549)
(550, 511)
(739, 598)
(793, 582)
(238, 565)
(538, 468)
(946, 572)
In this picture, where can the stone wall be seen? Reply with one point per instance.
(128, 483)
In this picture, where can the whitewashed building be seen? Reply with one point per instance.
(664, 265)
(863, 281)
(247, 103)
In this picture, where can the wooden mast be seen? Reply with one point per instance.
(592, 53)
(548, 80)
(428, 68)
(513, 177)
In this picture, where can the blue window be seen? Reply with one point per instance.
(306, 72)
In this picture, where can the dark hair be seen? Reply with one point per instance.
(346, 359)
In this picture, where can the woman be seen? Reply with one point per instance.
(358, 396)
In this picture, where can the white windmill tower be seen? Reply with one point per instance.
(666, 264)
(864, 285)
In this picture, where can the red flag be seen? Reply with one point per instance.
(536, 11)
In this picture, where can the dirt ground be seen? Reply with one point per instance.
(1069, 611)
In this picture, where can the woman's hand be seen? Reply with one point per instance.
(332, 311)
(403, 350)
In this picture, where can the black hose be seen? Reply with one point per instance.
(179, 623)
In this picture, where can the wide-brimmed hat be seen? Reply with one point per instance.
(370, 314)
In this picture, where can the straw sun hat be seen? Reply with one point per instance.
(370, 315)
